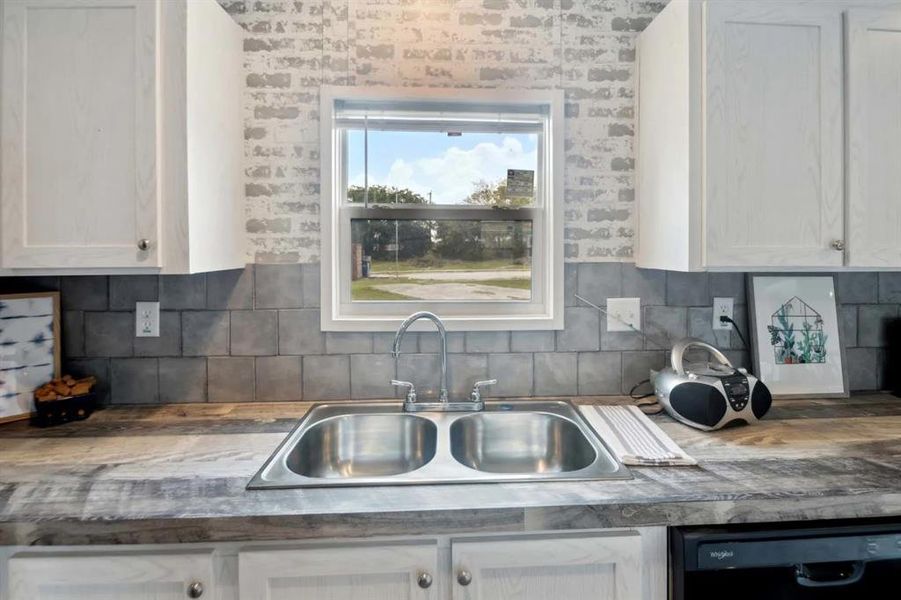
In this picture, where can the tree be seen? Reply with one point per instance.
(494, 194)
(472, 240)
(378, 236)
(383, 194)
(459, 240)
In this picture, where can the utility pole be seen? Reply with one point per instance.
(396, 243)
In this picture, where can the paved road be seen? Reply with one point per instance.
(457, 275)
(456, 291)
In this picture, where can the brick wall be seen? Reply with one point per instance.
(585, 47)
(254, 334)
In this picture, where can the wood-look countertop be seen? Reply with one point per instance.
(177, 473)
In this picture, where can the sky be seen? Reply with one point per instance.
(449, 167)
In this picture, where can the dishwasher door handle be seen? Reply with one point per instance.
(829, 574)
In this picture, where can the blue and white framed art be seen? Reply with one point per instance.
(29, 349)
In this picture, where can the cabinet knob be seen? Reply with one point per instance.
(424, 580)
(838, 245)
(195, 590)
(144, 245)
(464, 577)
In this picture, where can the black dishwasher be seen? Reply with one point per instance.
(833, 560)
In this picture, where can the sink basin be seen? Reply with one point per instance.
(364, 446)
(376, 443)
(525, 442)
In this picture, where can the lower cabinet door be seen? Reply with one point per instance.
(567, 568)
(383, 572)
(122, 576)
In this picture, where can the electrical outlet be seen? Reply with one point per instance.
(722, 307)
(621, 311)
(147, 319)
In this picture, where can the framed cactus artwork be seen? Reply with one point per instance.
(796, 341)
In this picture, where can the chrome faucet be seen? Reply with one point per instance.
(410, 402)
(442, 332)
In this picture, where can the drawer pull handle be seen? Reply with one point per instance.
(424, 580)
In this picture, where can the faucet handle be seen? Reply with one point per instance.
(476, 388)
(411, 389)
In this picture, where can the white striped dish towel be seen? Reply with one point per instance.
(634, 438)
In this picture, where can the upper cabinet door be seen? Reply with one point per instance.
(79, 134)
(608, 567)
(774, 185)
(122, 576)
(874, 137)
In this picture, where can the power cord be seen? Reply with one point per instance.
(725, 319)
(638, 385)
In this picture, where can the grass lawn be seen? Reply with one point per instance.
(388, 266)
(364, 289)
(517, 284)
(367, 289)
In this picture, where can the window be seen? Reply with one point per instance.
(442, 200)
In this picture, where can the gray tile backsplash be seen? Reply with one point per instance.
(556, 373)
(229, 289)
(279, 378)
(278, 286)
(180, 292)
(371, 375)
(255, 335)
(182, 380)
(326, 377)
(231, 379)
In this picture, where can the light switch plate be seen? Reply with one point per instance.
(147, 319)
(623, 309)
(722, 307)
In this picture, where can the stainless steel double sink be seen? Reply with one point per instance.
(355, 444)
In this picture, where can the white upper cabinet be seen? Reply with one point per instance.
(80, 184)
(741, 159)
(123, 576)
(773, 134)
(121, 136)
(874, 137)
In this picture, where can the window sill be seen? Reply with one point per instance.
(469, 323)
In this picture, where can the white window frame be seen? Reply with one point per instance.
(543, 312)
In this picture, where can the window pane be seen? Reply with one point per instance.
(441, 260)
(419, 167)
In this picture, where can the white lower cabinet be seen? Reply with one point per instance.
(119, 576)
(628, 564)
(615, 565)
(370, 572)
(606, 567)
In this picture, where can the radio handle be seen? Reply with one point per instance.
(684, 344)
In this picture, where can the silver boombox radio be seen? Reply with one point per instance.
(709, 395)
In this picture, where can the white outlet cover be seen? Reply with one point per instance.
(627, 309)
(147, 319)
(722, 307)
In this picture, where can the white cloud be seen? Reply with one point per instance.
(452, 176)
(401, 174)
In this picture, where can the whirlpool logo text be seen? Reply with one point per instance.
(721, 554)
